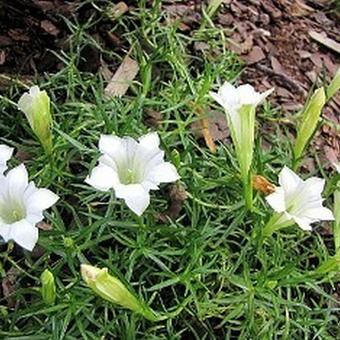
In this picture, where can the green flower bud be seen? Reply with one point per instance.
(48, 288)
(310, 118)
(112, 289)
(36, 106)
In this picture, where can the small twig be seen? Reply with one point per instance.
(284, 77)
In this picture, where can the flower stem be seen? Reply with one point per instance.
(336, 223)
(248, 190)
(274, 224)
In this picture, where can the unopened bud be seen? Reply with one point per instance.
(48, 288)
(112, 289)
(36, 106)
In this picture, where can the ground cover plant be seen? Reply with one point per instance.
(194, 262)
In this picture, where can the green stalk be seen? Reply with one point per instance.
(336, 224)
(274, 224)
(248, 190)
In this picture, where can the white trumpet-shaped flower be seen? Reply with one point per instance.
(232, 99)
(240, 106)
(298, 200)
(21, 207)
(5, 154)
(132, 168)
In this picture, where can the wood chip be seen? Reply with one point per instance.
(299, 9)
(254, 56)
(324, 40)
(121, 80)
(2, 57)
(276, 65)
(49, 27)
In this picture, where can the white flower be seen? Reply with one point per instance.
(21, 207)
(5, 154)
(233, 98)
(299, 200)
(132, 169)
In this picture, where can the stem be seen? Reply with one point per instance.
(274, 224)
(336, 223)
(248, 191)
(295, 164)
(151, 315)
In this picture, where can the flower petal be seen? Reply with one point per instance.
(5, 154)
(149, 141)
(227, 96)
(135, 196)
(102, 178)
(24, 233)
(164, 173)
(265, 94)
(303, 222)
(5, 231)
(277, 200)
(25, 104)
(34, 90)
(289, 180)
(320, 213)
(218, 98)
(229, 93)
(17, 180)
(248, 95)
(314, 186)
(40, 200)
(110, 144)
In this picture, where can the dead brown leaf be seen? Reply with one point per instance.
(104, 70)
(152, 118)
(218, 127)
(177, 195)
(117, 10)
(204, 122)
(44, 226)
(8, 285)
(260, 183)
(121, 80)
